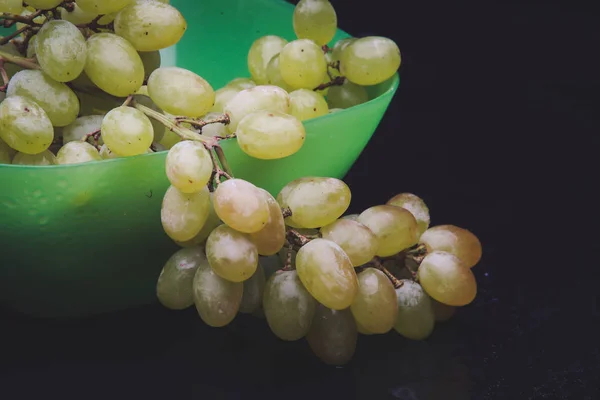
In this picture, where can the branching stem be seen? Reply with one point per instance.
(376, 263)
(18, 60)
(337, 81)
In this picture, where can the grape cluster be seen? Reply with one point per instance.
(83, 82)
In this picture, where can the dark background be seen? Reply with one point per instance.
(495, 125)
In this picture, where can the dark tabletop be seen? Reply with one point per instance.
(495, 125)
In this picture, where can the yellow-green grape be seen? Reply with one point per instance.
(307, 104)
(44, 158)
(442, 312)
(283, 195)
(375, 306)
(189, 166)
(315, 20)
(217, 300)
(61, 50)
(30, 53)
(353, 217)
(253, 291)
(76, 153)
(338, 48)
(103, 6)
(180, 92)
(6, 153)
(302, 64)
(127, 131)
(327, 273)
(240, 204)
(150, 25)
(58, 101)
(231, 254)
(169, 139)
(361, 329)
(415, 312)
(77, 16)
(274, 74)
(334, 110)
(259, 55)
(151, 61)
(113, 64)
(183, 214)
(359, 243)
(106, 154)
(157, 127)
(270, 239)
(270, 135)
(333, 335)
(216, 128)
(346, 95)
(370, 60)
(395, 228)
(289, 308)
(458, 241)
(222, 97)
(447, 279)
(261, 97)
(43, 4)
(241, 83)
(107, 18)
(24, 125)
(11, 6)
(175, 285)
(95, 104)
(316, 201)
(416, 206)
(212, 221)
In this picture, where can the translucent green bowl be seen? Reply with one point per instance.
(86, 239)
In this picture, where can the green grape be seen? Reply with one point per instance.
(359, 243)
(175, 285)
(283, 195)
(6, 153)
(262, 97)
(214, 129)
(151, 61)
(76, 153)
(452, 239)
(58, 101)
(11, 6)
(30, 53)
(241, 83)
(231, 254)
(94, 104)
(222, 97)
(338, 48)
(375, 306)
(241, 205)
(169, 139)
(103, 6)
(333, 335)
(395, 228)
(274, 74)
(415, 313)
(24, 125)
(416, 206)
(77, 16)
(315, 20)
(150, 25)
(315, 201)
(127, 131)
(270, 239)
(307, 104)
(217, 300)
(61, 50)
(327, 273)
(346, 95)
(270, 135)
(212, 221)
(183, 215)
(106, 154)
(254, 288)
(85, 84)
(370, 60)
(157, 127)
(302, 64)
(180, 92)
(107, 18)
(44, 158)
(289, 308)
(442, 312)
(259, 55)
(447, 279)
(189, 166)
(113, 64)
(43, 4)
(353, 217)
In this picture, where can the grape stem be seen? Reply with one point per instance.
(13, 35)
(223, 160)
(326, 49)
(5, 78)
(287, 212)
(94, 26)
(417, 250)
(334, 65)
(295, 237)
(94, 135)
(337, 81)
(376, 263)
(218, 173)
(127, 101)
(9, 20)
(172, 125)
(18, 60)
(223, 119)
(287, 266)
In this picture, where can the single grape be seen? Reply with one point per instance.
(370, 60)
(327, 273)
(189, 166)
(77, 152)
(307, 104)
(452, 239)
(151, 61)
(127, 131)
(347, 95)
(231, 254)
(415, 313)
(106, 154)
(11, 6)
(24, 125)
(353, 217)
(107, 18)
(359, 243)
(61, 50)
(270, 239)
(6, 153)
(274, 74)
(157, 127)
(183, 215)
(169, 139)
(241, 83)
(43, 4)
(315, 20)
(442, 312)
(31, 48)
(76, 15)
(262, 97)
(395, 228)
(175, 286)
(416, 206)
(217, 300)
(289, 308)
(259, 55)
(241, 205)
(375, 306)
(212, 221)
(214, 129)
(44, 158)
(447, 279)
(333, 335)
(253, 291)
(103, 6)
(338, 48)
(302, 64)
(58, 101)
(222, 97)
(96, 103)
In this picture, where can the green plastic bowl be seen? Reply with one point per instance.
(84, 239)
